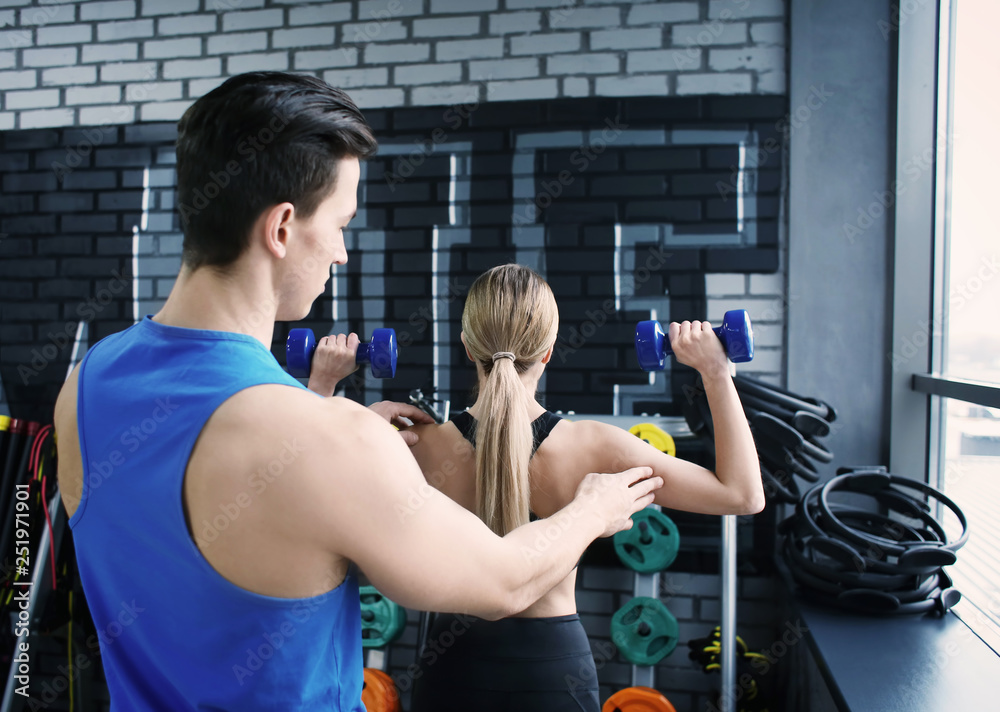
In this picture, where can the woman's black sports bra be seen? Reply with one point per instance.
(540, 427)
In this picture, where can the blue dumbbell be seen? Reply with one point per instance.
(652, 347)
(380, 352)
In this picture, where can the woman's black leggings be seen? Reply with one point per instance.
(510, 665)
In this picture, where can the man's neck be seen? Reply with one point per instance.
(236, 301)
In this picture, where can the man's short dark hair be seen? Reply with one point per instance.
(257, 140)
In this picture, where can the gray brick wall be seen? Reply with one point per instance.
(376, 47)
(760, 296)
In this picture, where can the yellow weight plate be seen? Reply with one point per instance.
(656, 437)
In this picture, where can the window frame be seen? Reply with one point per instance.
(919, 386)
(985, 393)
(919, 215)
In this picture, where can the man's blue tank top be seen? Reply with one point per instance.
(174, 634)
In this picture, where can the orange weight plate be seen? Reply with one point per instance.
(638, 699)
(379, 693)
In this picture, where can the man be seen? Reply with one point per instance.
(222, 506)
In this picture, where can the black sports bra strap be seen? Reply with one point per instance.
(540, 427)
(466, 425)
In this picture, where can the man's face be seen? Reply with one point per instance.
(318, 243)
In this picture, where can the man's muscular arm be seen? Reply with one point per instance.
(362, 492)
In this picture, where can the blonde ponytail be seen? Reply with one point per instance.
(509, 322)
(503, 449)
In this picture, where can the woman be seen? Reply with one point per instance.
(507, 459)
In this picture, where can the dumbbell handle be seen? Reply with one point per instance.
(380, 352)
(652, 345)
(669, 351)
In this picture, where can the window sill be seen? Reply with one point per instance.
(898, 664)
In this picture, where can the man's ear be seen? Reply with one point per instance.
(462, 337)
(548, 354)
(278, 228)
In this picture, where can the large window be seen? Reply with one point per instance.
(972, 348)
(964, 432)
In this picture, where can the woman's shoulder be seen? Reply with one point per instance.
(572, 449)
(433, 432)
(593, 444)
(569, 426)
(438, 443)
(570, 442)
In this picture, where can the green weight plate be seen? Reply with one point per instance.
(651, 544)
(644, 631)
(382, 621)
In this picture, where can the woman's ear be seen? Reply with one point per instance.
(462, 337)
(548, 354)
